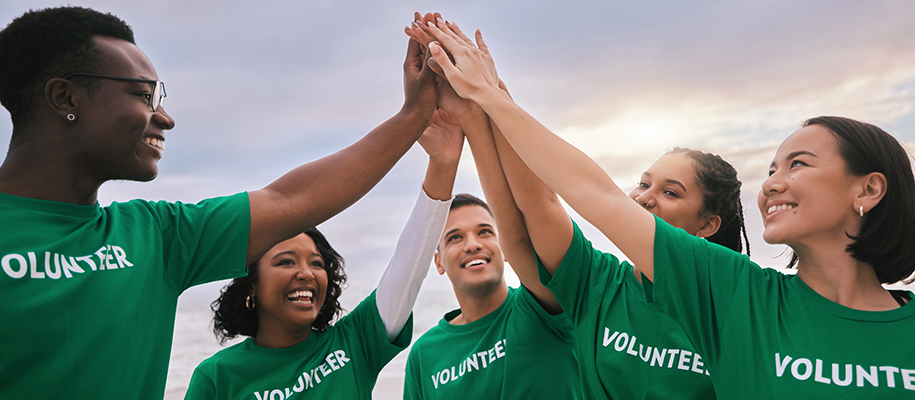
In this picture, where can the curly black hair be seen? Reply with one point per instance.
(232, 318)
(50, 43)
(721, 197)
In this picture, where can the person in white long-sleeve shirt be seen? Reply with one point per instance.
(288, 302)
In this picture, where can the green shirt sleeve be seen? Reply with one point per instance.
(366, 323)
(201, 387)
(582, 278)
(206, 241)
(694, 283)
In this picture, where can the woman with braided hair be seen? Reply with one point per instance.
(840, 193)
(626, 348)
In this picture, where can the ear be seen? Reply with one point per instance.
(871, 189)
(438, 263)
(62, 97)
(709, 226)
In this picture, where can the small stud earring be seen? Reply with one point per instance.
(71, 117)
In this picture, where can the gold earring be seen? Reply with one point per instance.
(249, 303)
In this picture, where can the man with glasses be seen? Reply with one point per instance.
(156, 97)
(87, 293)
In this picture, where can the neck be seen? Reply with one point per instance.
(834, 274)
(476, 306)
(37, 171)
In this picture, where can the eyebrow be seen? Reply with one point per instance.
(793, 155)
(292, 252)
(670, 181)
(483, 225)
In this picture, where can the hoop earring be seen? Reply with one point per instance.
(249, 303)
(861, 211)
(71, 117)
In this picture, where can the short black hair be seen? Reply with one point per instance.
(888, 229)
(720, 196)
(50, 43)
(232, 318)
(464, 199)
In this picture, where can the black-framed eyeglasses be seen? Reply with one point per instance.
(155, 100)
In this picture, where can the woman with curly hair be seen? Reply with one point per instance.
(288, 303)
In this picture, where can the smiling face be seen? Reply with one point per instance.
(669, 189)
(469, 252)
(809, 195)
(290, 288)
(122, 137)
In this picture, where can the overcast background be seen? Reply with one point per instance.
(257, 88)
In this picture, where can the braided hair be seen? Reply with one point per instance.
(720, 196)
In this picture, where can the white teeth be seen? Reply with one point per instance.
(294, 296)
(157, 143)
(780, 207)
(475, 262)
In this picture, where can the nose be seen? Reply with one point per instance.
(472, 244)
(645, 199)
(162, 119)
(305, 274)
(773, 184)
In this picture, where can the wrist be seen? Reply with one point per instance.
(415, 116)
(488, 97)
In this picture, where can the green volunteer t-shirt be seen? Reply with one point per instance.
(342, 362)
(88, 294)
(518, 351)
(766, 335)
(626, 348)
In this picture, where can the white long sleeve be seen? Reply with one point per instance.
(401, 281)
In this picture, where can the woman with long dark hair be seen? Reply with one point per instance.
(840, 193)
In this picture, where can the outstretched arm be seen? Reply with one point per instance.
(513, 234)
(564, 168)
(409, 265)
(316, 191)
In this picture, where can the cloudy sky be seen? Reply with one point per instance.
(257, 88)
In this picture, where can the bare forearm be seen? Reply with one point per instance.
(314, 192)
(547, 222)
(575, 177)
(439, 181)
(513, 235)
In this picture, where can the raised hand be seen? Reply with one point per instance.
(420, 92)
(473, 73)
(417, 32)
(443, 140)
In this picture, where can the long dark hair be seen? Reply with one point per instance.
(720, 196)
(232, 318)
(888, 229)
